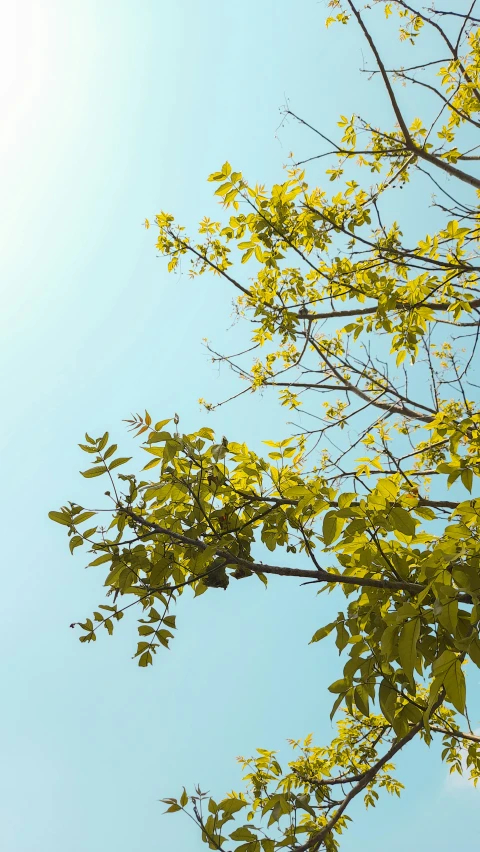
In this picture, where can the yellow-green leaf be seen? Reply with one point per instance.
(93, 471)
(60, 518)
(407, 646)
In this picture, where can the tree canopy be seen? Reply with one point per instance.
(369, 327)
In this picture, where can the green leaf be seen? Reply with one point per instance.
(83, 517)
(332, 526)
(400, 723)
(145, 660)
(206, 432)
(474, 651)
(346, 499)
(362, 700)
(455, 686)
(218, 451)
(322, 632)
(388, 700)
(88, 533)
(232, 806)
(151, 464)
(342, 636)
(407, 646)
(425, 512)
(60, 518)
(158, 452)
(103, 442)
(170, 450)
(387, 489)
(448, 671)
(106, 557)
(339, 686)
(243, 833)
(93, 471)
(158, 437)
(467, 478)
(448, 616)
(336, 705)
(387, 641)
(173, 808)
(76, 541)
(117, 462)
(402, 521)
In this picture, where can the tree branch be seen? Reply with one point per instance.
(320, 836)
(409, 143)
(320, 576)
(460, 735)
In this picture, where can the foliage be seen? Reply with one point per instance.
(341, 303)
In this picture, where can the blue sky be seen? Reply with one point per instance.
(111, 112)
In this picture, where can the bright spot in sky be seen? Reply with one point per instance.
(23, 63)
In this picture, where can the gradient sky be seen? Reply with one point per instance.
(110, 112)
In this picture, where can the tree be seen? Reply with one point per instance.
(385, 327)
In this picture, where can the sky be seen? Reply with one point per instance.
(112, 111)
